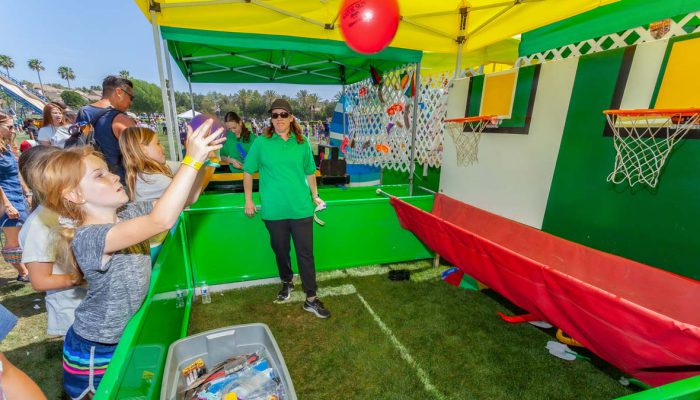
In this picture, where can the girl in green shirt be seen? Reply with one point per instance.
(282, 156)
(238, 142)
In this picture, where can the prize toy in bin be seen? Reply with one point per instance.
(242, 377)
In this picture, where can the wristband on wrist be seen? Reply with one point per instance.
(192, 163)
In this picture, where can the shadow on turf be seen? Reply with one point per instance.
(42, 362)
(10, 285)
(23, 306)
(600, 364)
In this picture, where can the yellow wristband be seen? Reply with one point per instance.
(192, 163)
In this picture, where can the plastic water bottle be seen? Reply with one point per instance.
(206, 297)
(179, 297)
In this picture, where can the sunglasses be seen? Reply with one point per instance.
(131, 96)
(280, 115)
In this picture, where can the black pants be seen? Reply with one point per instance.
(302, 232)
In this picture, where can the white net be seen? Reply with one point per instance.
(644, 142)
(381, 118)
(466, 135)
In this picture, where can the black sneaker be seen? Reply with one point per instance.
(317, 308)
(286, 291)
(23, 279)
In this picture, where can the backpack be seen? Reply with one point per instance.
(82, 133)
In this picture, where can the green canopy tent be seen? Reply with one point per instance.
(227, 57)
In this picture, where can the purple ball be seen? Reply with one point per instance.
(198, 120)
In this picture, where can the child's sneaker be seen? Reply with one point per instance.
(317, 308)
(23, 279)
(286, 291)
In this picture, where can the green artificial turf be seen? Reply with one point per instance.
(453, 340)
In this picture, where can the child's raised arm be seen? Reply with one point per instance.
(167, 209)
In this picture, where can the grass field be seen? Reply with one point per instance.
(419, 339)
(28, 346)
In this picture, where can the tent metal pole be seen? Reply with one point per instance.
(414, 130)
(173, 104)
(461, 39)
(163, 88)
(189, 83)
(342, 103)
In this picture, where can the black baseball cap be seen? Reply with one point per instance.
(281, 104)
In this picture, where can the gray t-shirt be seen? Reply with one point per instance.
(152, 186)
(117, 288)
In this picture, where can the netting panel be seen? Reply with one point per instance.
(381, 118)
(643, 144)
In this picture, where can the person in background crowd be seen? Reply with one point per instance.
(14, 195)
(238, 142)
(108, 118)
(53, 119)
(61, 135)
(31, 129)
(288, 195)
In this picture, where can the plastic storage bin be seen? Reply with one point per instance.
(216, 346)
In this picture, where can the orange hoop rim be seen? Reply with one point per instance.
(671, 112)
(472, 119)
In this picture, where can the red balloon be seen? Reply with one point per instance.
(369, 25)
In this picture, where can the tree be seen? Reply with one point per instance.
(7, 63)
(124, 74)
(314, 103)
(303, 100)
(242, 99)
(147, 97)
(73, 99)
(67, 74)
(35, 65)
(269, 96)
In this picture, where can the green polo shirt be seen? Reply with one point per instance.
(230, 148)
(283, 167)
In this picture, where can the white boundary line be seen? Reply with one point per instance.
(429, 387)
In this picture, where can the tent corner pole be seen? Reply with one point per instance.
(414, 130)
(342, 103)
(189, 83)
(163, 88)
(173, 104)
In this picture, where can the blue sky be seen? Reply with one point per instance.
(58, 32)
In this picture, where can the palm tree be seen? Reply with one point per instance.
(314, 102)
(35, 64)
(269, 96)
(303, 100)
(67, 74)
(7, 63)
(124, 74)
(243, 98)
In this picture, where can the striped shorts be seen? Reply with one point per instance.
(84, 364)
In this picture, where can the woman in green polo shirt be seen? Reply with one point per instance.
(238, 142)
(282, 156)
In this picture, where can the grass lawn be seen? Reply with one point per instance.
(409, 340)
(28, 346)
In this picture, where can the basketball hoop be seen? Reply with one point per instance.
(643, 140)
(466, 134)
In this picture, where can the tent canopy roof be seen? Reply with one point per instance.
(431, 27)
(211, 56)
